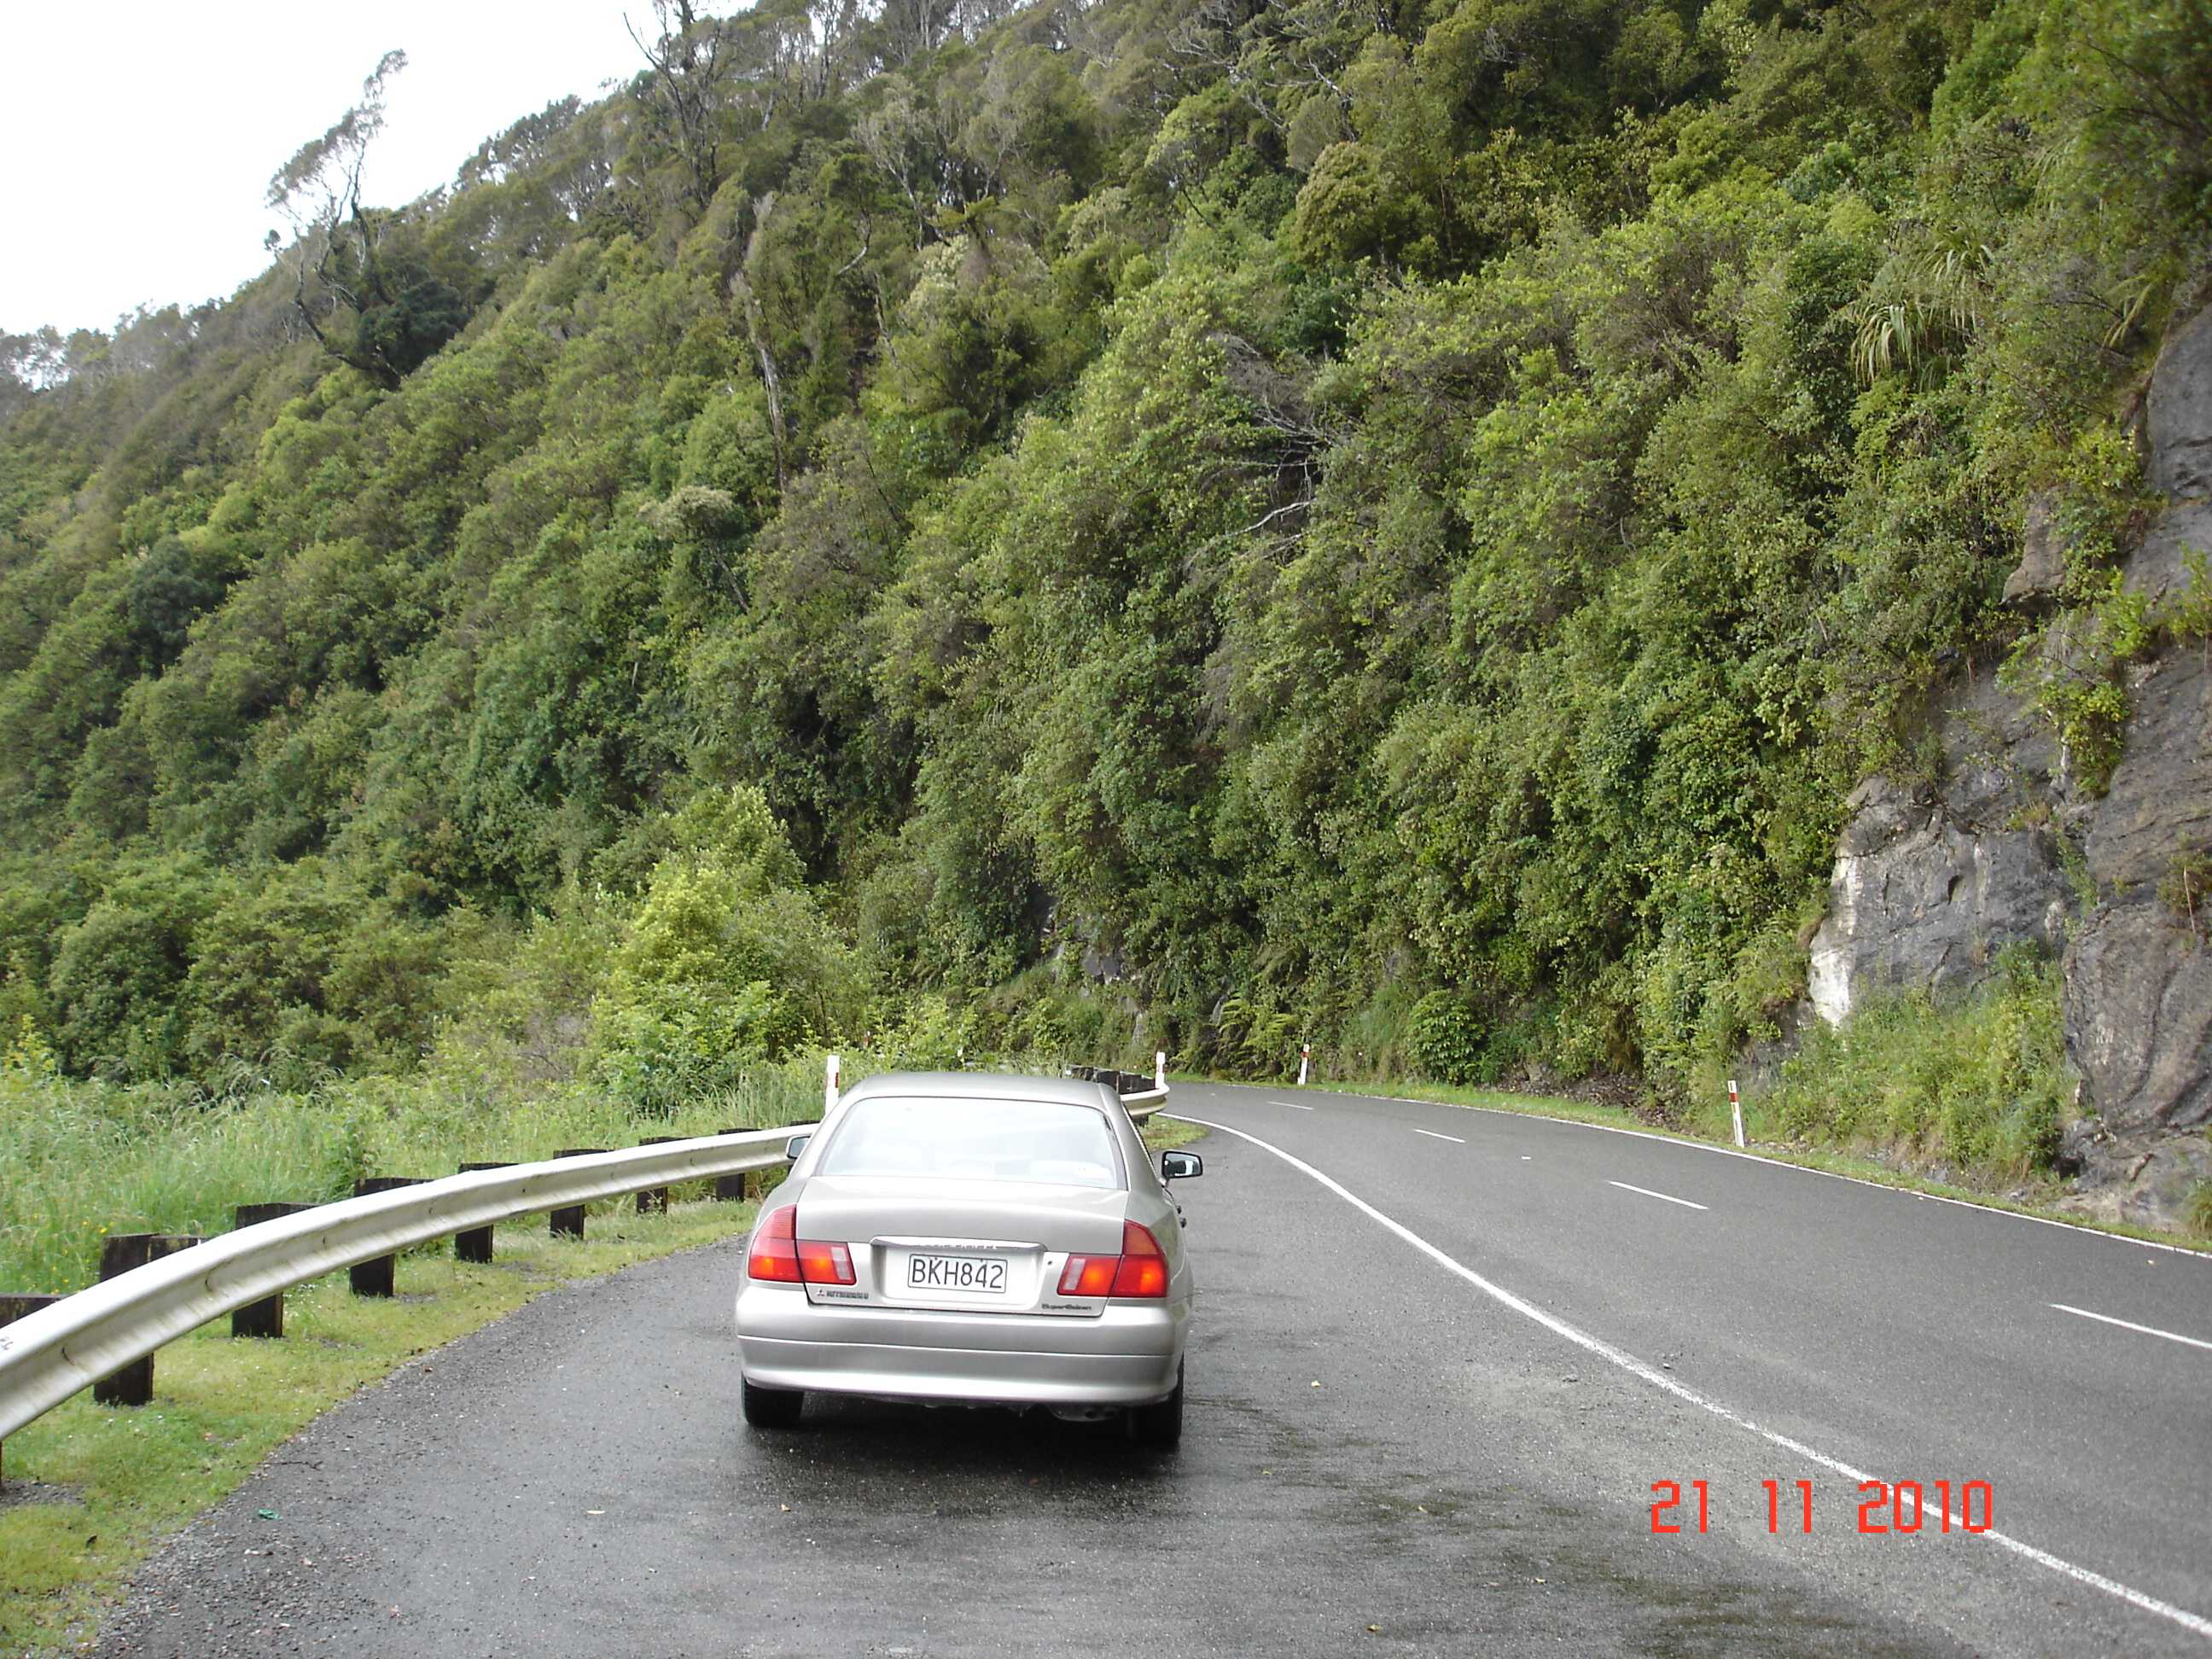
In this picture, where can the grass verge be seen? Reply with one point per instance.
(92, 1490)
(1163, 1133)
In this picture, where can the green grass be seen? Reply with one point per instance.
(1163, 1134)
(2198, 1213)
(1979, 1087)
(79, 1160)
(92, 1490)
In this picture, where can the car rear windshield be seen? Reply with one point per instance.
(974, 1140)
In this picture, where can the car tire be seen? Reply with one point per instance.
(770, 1408)
(1159, 1426)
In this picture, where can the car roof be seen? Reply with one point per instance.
(982, 1085)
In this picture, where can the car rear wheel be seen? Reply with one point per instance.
(1158, 1425)
(773, 1408)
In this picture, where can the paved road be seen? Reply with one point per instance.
(1429, 1426)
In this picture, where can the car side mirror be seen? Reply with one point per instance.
(794, 1146)
(1181, 1166)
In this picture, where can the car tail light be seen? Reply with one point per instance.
(1144, 1269)
(824, 1262)
(1140, 1270)
(1089, 1275)
(775, 1249)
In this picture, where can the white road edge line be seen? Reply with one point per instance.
(2194, 1623)
(1433, 1136)
(2125, 1325)
(1647, 1193)
(1687, 1145)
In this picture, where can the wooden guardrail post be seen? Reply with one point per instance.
(374, 1277)
(731, 1189)
(12, 1307)
(654, 1201)
(133, 1385)
(266, 1316)
(568, 1222)
(474, 1243)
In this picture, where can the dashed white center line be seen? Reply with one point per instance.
(1292, 1104)
(2147, 1330)
(1647, 1193)
(1433, 1136)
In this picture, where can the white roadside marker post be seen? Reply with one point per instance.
(1735, 1111)
(1159, 1068)
(1305, 1059)
(829, 1084)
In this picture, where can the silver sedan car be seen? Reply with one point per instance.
(957, 1237)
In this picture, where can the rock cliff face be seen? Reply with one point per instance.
(2177, 415)
(1930, 882)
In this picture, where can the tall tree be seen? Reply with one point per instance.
(685, 95)
(334, 237)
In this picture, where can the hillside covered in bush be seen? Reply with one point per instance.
(1401, 524)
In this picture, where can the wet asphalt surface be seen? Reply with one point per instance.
(1376, 1459)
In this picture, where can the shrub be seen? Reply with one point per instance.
(1446, 1041)
(728, 962)
(118, 975)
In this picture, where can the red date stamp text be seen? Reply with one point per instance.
(1902, 1506)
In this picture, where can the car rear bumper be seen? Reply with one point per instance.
(1129, 1355)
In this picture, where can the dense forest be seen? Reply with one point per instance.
(1107, 524)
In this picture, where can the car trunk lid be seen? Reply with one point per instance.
(971, 1246)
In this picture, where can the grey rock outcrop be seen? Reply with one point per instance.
(2042, 568)
(2178, 415)
(2159, 808)
(2138, 974)
(2160, 569)
(2139, 1017)
(1931, 882)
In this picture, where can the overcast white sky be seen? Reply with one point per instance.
(137, 140)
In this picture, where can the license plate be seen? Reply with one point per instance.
(983, 1275)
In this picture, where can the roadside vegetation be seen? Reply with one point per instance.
(1979, 1088)
(1972, 1091)
(1074, 529)
(79, 1160)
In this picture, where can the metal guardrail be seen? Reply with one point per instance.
(47, 1355)
(1142, 1106)
(1141, 1095)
